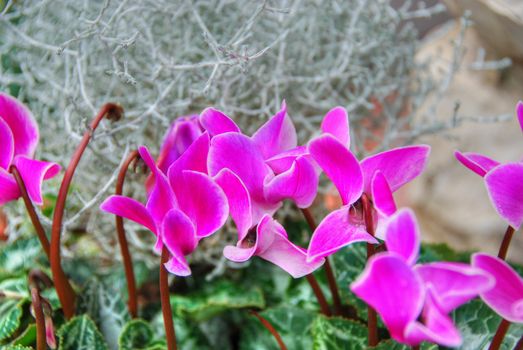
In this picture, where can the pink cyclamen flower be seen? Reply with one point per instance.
(504, 182)
(18, 141)
(506, 297)
(378, 176)
(414, 300)
(182, 208)
(257, 173)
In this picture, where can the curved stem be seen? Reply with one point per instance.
(40, 232)
(166, 304)
(519, 345)
(40, 319)
(271, 329)
(64, 290)
(331, 279)
(372, 319)
(503, 249)
(500, 334)
(324, 306)
(122, 240)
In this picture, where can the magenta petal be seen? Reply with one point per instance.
(275, 247)
(238, 199)
(390, 286)
(334, 232)
(21, 123)
(276, 135)
(299, 183)
(438, 327)
(283, 161)
(340, 165)
(130, 209)
(33, 173)
(194, 158)
(239, 154)
(476, 162)
(336, 123)
(505, 188)
(454, 284)
(506, 297)
(519, 113)
(7, 145)
(216, 122)
(179, 236)
(402, 235)
(202, 200)
(178, 265)
(382, 195)
(9, 187)
(398, 165)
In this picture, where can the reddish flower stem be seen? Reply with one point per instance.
(324, 306)
(168, 321)
(503, 249)
(372, 320)
(40, 232)
(271, 329)
(333, 285)
(122, 240)
(500, 334)
(519, 345)
(415, 347)
(40, 319)
(64, 290)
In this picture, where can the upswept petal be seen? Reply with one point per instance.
(476, 162)
(238, 153)
(437, 328)
(506, 297)
(194, 158)
(130, 209)
(388, 284)
(505, 188)
(9, 187)
(7, 145)
(399, 165)
(33, 173)
(402, 235)
(454, 284)
(334, 232)
(299, 183)
(203, 201)
(382, 195)
(340, 165)
(282, 162)
(276, 135)
(238, 198)
(336, 123)
(161, 199)
(179, 233)
(276, 248)
(519, 113)
(217, 122)
(22, 125)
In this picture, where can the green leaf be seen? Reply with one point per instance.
(393, 345)
(137, 334)
(10, 317)
(478, 324)
(80, 333)
(19, 255)
(293, 325)
(338, 333)
(28, 336)
(215, 299)
(16, 347)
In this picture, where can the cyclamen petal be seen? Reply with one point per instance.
(7, 145)
(505, 188)
(130, 209)
(390, 273)
(519, 113)
(179, 236)
(203, 201)
(334, 232)
(217, 122)
(340, 165)
(399, 165)
(506, 297)
(194, 158)
(22, 125)
(276, 135)
(283, 161)
(476, 162)
(382, 195)
(9, 187)
(402, 235)
(299, 183)
(336, 123)
(33, 173)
